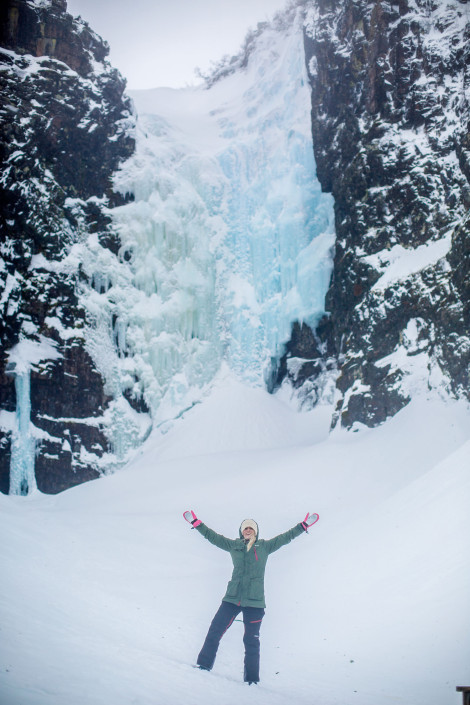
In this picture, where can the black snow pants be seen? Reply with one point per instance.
(252, 618)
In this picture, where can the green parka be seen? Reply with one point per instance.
(246, 587)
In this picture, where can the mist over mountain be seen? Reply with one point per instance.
(301, 219)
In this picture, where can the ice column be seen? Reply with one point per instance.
(280, 226)
(22, 477)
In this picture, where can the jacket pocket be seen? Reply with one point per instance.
(232, 588)
(255, 589)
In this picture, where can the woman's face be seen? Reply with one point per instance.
(248, 532)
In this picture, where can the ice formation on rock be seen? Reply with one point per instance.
(228, 240)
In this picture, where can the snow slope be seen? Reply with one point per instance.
(106, 594)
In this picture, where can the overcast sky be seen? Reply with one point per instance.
(160, 42)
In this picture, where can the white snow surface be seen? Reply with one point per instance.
(401, 263)
(106, 593)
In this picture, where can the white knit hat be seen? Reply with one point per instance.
(249, 523)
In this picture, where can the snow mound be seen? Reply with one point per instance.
(236, 417)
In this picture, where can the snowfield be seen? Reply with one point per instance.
(106, 593)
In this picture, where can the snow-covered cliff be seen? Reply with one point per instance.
(390, 122)
(65, 128)
(302, 219)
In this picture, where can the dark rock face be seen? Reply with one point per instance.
(390, 121)
(47, 30)
(309, 363)
(66, 127)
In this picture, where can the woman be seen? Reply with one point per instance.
(245, 591)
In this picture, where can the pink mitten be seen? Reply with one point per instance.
(191, 517)
(310, 520)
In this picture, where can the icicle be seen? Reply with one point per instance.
(22, 477)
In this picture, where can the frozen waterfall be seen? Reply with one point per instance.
(228, 239)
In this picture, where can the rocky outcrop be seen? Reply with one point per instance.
(66, 127)
(390, 121)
